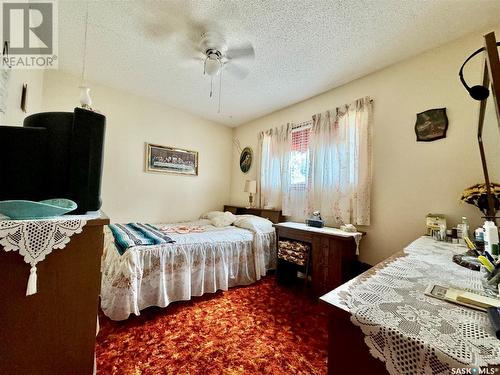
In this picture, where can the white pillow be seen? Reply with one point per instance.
(211, 214)
(224, 220)
(254, 223)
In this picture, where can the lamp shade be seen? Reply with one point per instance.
(251, 186)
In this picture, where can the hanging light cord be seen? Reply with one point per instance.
(85, 42)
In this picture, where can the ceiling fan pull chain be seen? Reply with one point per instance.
(211, 85)
(220, 87)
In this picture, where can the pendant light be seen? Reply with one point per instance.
(85, 99)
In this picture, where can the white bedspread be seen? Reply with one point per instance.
(195, 264)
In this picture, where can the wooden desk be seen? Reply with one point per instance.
(274, 216)
(52, 331)
(334, 257)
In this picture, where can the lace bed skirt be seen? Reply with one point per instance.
(196, 264)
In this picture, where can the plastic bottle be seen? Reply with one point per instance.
(490, 236)
(442, 232)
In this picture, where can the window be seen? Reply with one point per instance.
(323, 164)
(300, 157)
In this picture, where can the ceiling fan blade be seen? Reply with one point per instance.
(186, 48)
(192, 63)
(236, 70)
(169, 23)
(241, 52)
(160, 22)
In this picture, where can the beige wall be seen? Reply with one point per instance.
(130, 194)
(34, 79)
(410, 179)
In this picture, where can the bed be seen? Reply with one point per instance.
(217, 258)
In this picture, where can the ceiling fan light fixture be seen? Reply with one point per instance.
(213, 64)
(212, 67)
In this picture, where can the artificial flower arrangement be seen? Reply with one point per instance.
(477, 196)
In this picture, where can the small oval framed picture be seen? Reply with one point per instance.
(246, 159)
(431, 125)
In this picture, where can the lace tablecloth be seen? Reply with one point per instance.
(35, 239)
(417, 334)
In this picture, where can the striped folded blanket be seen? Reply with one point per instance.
(137, 234)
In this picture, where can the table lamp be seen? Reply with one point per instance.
(251, 188)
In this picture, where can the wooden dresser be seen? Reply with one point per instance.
(348, 348)
(347, 351)
(273, 215)
(334, 259)
(52, 331)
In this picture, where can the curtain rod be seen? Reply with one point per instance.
(301, 124)
(309, 122)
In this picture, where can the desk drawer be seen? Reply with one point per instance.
(294, 234)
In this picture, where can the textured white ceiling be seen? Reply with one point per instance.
(302, 48)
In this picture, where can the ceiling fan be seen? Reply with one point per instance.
(217, 56)
(200, 43)
(213, 51)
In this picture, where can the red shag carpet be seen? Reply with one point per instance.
(263, 328)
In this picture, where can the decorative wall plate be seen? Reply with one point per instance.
(431, 125)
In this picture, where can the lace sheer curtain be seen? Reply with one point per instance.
(341, 163)
(285, 168)
(274, 148)
(323, 165)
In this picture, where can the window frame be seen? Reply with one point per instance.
(302, 185)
